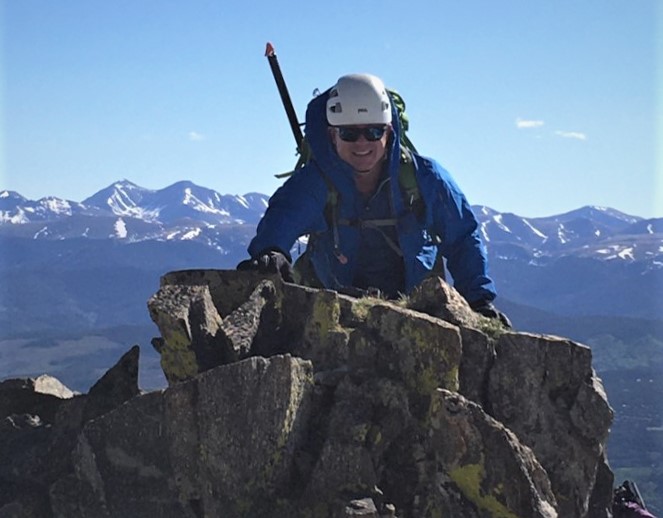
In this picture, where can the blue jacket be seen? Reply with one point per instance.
(448, 226)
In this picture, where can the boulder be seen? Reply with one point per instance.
(287, 401)
(37, 396)
(37, 441)
(474, 455)
(221, 444)
(544, 389)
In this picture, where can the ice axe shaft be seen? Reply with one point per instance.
(285, 96)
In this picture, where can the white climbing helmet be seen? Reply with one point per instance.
(358, 99)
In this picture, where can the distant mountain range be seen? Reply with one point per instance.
(128, 213)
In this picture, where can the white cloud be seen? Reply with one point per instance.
(571, 134)
(526, 124)
(195, 136)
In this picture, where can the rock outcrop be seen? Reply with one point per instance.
(287, 401)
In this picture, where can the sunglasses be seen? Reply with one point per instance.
(352, 134)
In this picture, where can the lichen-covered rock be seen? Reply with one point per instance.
(196, 336)
(189, 326)
(312, 327)
(443, 344)
(544, 389)
(222, 444)
(229, 288)
(476, 362)
(287, 401)
(422, 351)
(485, 462)
(367, 416)
(435, 297)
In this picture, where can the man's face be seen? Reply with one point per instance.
(363, 147)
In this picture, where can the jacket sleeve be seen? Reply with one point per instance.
(295, 209)
(455, 222)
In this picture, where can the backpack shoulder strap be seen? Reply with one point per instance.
(407, 179)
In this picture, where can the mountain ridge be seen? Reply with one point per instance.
(186, 211)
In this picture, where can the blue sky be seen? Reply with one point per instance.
(536, 107)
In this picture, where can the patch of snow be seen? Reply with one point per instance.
(43, 231)
(498, 220)
(535, 230)
(120, 203)
(191, 234)
(120, 228)
(199, 205)
(56, 205)
(484, 233)
(650, 228)
(561, 235)
(242, 201)
(597, 232)
(627, 253)
(17, 219)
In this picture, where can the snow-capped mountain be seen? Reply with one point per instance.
(128, 212)
(599, 232)
(184, 211)
(180, 201)
(15, 209)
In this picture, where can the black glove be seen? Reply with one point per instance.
(270, 261)
(486, 308)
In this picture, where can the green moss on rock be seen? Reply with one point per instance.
(469, 478)
(177, 358)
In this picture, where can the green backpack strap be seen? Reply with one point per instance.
(407, 180)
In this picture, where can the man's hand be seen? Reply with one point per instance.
(487, 309)
(270, 261)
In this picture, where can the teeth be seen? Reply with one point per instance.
(362, 153)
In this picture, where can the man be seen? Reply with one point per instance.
(366, 234)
